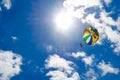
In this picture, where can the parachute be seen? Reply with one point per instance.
(90, 35)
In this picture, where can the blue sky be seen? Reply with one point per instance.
(40, 40)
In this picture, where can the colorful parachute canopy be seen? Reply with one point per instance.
(90, 35)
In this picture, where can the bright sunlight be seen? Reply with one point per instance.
(63, 22)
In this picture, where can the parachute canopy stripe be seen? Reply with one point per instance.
(86, 37)
(90, 40)
(90, 35)
(86, 32)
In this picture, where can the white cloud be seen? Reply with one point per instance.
(107, 2)
(63, 68)
(104, 22)
(6, 3)
(14, 37)
(91, 75)
(114, 37)
(117, 49)
(107, 68)
(118, 23)
(57, 62)
(49, 48)
(105, 18)
(78, 54)
(79, 3)
(9, 64)
(59, 75)
(88, 60)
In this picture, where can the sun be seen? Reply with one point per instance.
(63, 22)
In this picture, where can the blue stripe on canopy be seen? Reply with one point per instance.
(90, 42)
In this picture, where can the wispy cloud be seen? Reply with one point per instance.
(107, 2)
(6, 4)
(88, 60)
(9, 64)
(49, 48)
(91, 75)
(78, 54)
(107, 68)
(63, 69)
(14, 37)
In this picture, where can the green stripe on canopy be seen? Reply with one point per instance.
(86, 37)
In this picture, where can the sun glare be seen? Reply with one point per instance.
(63, 22)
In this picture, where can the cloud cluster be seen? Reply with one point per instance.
(91, 74)
(62, 69)
(92, 12)
(9, 64)
(88, 60)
